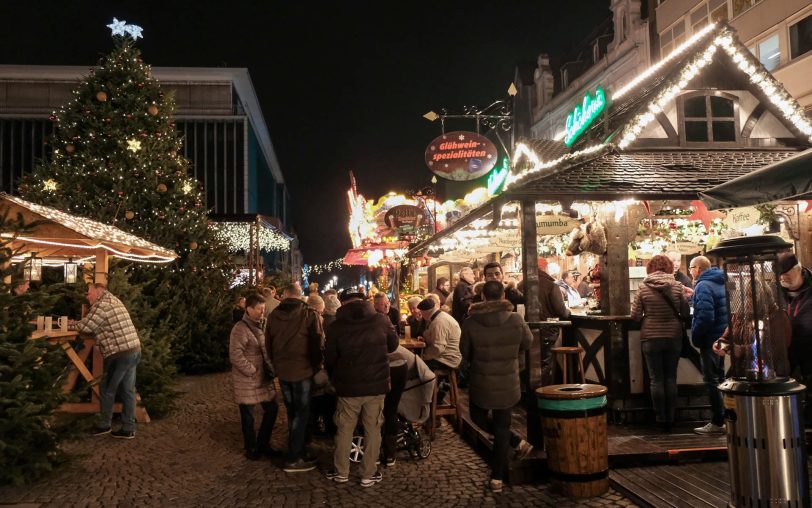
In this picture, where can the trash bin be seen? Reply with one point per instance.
(573, 421)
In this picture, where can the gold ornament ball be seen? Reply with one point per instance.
(69, 148)
(193, 245)
(152, 109)
(161, 187)
(101, 96)
(129, 215)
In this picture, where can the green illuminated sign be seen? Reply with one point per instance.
(497, 177)
(583, 115)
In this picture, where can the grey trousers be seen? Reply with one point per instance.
(346, 419)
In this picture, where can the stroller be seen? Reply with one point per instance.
(414, 409)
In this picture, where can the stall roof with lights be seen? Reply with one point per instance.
(59, 235)
(609, 163)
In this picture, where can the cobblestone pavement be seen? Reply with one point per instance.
(194, 458)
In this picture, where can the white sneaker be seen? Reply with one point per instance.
(523, 449)
(710, 430)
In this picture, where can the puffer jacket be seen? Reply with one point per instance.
(248, 364)
(293, 339)
(799, 308)
(493, 336)
(357, 348)
(710, 308)
(659, 319)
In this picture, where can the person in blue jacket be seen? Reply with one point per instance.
(709, 322)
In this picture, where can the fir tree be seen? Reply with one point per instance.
(29, 437)
(116, 158)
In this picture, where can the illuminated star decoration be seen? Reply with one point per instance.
(133, 145)
(118, 27)
(49, 184)
(134, 31)
(187, 187)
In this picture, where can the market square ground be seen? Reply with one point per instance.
(194, 458)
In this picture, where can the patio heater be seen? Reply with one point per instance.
(763, 405)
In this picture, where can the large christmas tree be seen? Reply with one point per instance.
(116, 158)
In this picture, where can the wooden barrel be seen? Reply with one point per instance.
(573, 421)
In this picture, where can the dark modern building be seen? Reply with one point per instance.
(217, 114)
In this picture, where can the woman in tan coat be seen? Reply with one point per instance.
(252, 374)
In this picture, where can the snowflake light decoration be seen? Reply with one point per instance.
(133, 145)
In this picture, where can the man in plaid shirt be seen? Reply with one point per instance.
(109, 321)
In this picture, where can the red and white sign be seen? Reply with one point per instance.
(461, 155)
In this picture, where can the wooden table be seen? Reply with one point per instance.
(412, 344)
(92, 377)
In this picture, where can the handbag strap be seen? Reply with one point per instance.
(668, 300)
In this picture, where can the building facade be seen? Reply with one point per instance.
(217, 114)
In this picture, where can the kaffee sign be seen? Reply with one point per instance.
(461, 155)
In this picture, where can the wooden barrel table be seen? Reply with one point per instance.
(573, 421)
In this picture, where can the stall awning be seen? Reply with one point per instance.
(372, 255)
(61, 235)
(790, 178)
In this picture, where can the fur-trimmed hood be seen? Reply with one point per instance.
(491, 313)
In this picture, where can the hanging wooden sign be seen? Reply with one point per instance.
(555, 224)
(741, 218)
(461, 155)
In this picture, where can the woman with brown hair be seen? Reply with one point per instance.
(661, 306)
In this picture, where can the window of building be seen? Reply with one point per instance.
(768, 52)
(699, 18)
(709, 118)
(800, 37)
(739, 6)
(672, 38)
(718, 11)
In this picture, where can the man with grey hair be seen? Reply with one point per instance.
(269, 294)
(382, 306)
(415, 319)
(463, 294)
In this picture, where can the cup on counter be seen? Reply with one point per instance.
(40, 323)
(49, 323)
(408, 332)
(62, 322)
(553, 319)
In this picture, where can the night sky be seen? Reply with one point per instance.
(343, 85)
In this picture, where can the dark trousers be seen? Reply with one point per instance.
(662, 359)
(324, 406)
(397, 377)
(713, 373)
(499, 426)
(443, 385)
(548, 340)
(297, 404)
(260, 441)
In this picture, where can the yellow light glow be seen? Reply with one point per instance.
(133, 145)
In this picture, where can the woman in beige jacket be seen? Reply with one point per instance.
(252, 374)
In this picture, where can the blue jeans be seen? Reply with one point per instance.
(297, 403)
(119, 372)
(662, 358)
(713, 373)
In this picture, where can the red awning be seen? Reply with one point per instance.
(362, 255)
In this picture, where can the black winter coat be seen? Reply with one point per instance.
(357, 349)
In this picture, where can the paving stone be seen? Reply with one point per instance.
(194, 458)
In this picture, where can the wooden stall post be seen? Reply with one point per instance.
(804, 251)
(101, 267)
(530, 273)
(616, 300)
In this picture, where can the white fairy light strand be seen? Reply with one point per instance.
(326, 267)
(151, 258)
(538, 164)
(236, 235)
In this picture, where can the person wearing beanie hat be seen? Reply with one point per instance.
(331, 305)
(796, 282)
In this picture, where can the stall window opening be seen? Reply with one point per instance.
(709, 118)
(800, 37)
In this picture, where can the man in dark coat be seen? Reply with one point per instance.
(493, 337)
(463, 295)
(493, 271)
(293, 338)
(708, 324)
(356, 356)
(797, 283)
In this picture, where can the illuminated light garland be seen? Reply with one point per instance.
(656, 67)
(539, 165)
(335, 264)
(126, 255)
(236, 235)
(759, 77)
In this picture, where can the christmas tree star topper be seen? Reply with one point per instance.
(117, 27)
(122, 28)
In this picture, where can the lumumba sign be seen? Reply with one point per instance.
(582, 116)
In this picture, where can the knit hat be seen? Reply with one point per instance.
(426, 304)
(786, 262)
(331, 304)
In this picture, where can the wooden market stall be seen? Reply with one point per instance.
(631, 177)
(59, 237)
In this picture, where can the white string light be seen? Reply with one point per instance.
(238, 237)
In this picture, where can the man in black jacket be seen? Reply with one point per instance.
(797, 283)
(463, 295)
(356, 356)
